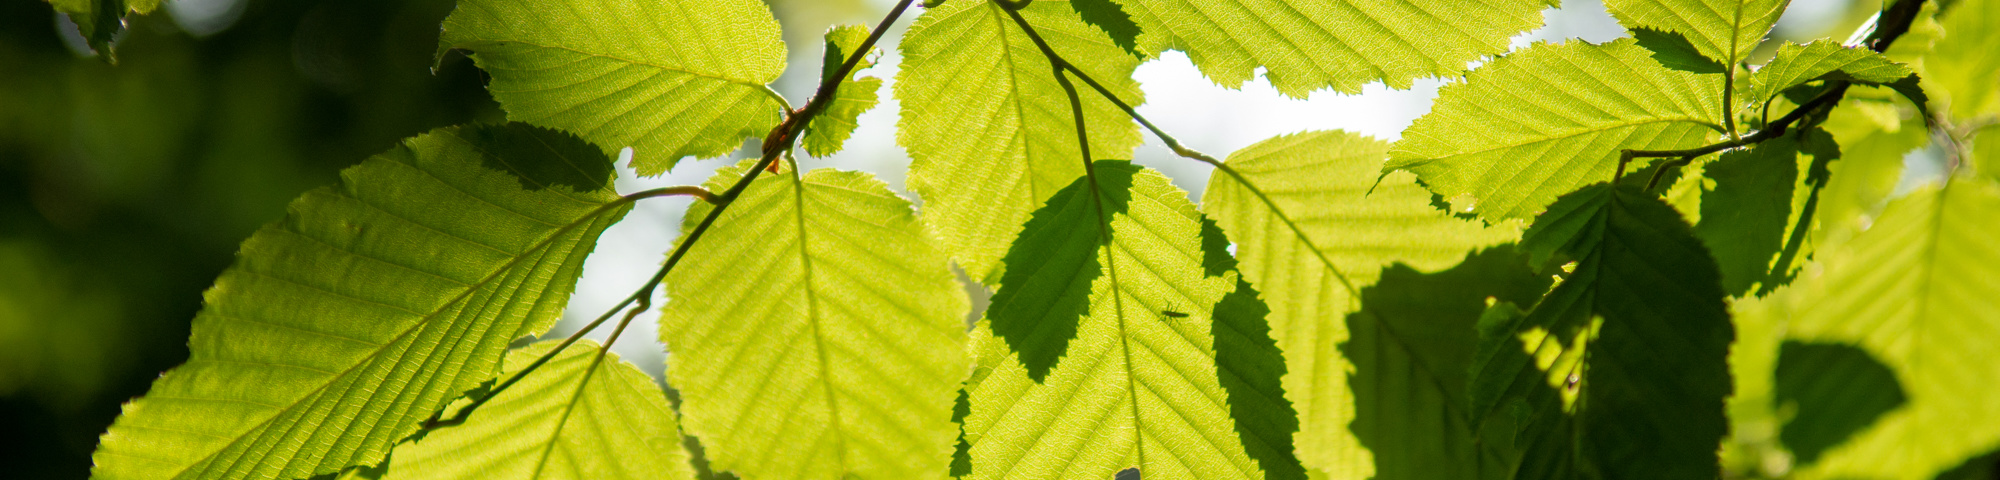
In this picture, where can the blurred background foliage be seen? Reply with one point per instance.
(125, 189)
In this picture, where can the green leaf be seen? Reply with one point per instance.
(578, 416)
(1674, 51)
(1046, 287)
(1412, 345)
(1250, 366)
(1642, 284)
(668, 78)
(1871, 162)
(816, 332)
(101, 21)
(1332, 44)
(1310, 234)
(1722, 30)
(1552, 118)
(989, 131)
(368, 308)
(1916, 291)
(1963, 65)
(1745, 217)
(1138, 387)
(1823, 60)
(1106, 15)
(855, 96)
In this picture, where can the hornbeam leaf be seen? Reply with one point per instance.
(816, 332)
(1744, 219)
(1823, 60)
(1918, 291)
(1642, 284)
(989, 131)
(1137, 388)
(1963, 65)
(668, 78)
(1047, 287)
(1552, 118)
(1310, 234)
(856, 95)
(1722, 30)
(579, 416)
(1338, 44)
(371, 306)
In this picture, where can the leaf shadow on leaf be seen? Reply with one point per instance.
(540, 157)
(1675, 51)
(1836, 389)
(1106, 15)
(1412, 345)
(1045, 290)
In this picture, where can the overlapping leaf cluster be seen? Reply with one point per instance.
(1645, 258)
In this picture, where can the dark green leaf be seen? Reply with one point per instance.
(1640, 413)
(1743, 219)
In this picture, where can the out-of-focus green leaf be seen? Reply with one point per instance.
(856, 95)
(1916, 290)
(1046, 288)
(370, 307)
(1642, 284)
(1314, 221)
(1552, 118)
(989, 131)
(1139, 387)
(816, 332)
(1963, 65)
(668, 78)
(579, 416)
(1338, 44)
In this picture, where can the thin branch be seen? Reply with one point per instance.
(1890, 25)
(780, 140)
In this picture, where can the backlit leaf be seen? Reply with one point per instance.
(671, 79)
(371, 306)
(815, 332)
(1916, 291)
(1138, 387)
(989, 131)
(1642, 284)
(856, 95)
(578, 416)
(1339, 44)
(1310, 234)
(1551, 118)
